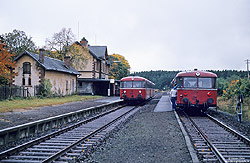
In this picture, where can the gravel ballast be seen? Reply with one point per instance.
(231, 121)
(148, 137)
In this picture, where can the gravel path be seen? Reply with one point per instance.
(11, 119)
(148, 137)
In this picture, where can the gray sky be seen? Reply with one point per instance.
(150, 34)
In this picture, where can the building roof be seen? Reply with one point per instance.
(50, 64)
(99, 51)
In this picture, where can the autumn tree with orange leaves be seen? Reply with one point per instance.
(6, 63)
(119, 67)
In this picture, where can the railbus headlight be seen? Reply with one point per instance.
(124, 91)
(139, 91)
(209, 94)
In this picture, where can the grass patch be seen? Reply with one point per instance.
(12, 105)
(230, 106)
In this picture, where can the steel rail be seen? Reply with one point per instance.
(214, 149)
(11, 151)
(242, 137)
(66, 149)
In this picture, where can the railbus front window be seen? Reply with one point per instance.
(126, 84)
(137, 84)
(205, 82)
(190, 82)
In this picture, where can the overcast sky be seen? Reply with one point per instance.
(150, 34)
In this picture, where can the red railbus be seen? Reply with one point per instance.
(196, 89)
(136, 89)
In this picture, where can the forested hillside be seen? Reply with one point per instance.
(162, 79)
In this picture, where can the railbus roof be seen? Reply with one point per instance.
(196, 74)
(136, 78)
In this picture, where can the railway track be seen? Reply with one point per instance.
(214, 141)
(69, 143)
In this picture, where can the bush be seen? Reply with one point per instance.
(46, 88)
(233, 88)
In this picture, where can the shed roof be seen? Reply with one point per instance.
(50, 64)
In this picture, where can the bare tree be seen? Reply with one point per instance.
(60, 43)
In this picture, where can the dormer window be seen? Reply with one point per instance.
(26, 68)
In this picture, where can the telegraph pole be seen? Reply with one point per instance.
(78, 31)
(247, 68)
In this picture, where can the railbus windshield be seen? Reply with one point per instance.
(126, 84)
(136, 84)
(191, 82)
(131, 84)
(205, 83)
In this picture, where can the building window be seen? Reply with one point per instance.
(67, 87)
(26, 68)
(23, 81)
(29, 82)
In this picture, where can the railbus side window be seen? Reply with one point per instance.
(213, 82)
(179, 82)
(147, 84)
(143, 84)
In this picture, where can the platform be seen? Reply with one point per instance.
(164, 105)
(109, 99)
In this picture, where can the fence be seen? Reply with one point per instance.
(13, 91)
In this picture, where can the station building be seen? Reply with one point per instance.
(31, 68)
(94, 70)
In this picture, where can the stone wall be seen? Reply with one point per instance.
(62, 83)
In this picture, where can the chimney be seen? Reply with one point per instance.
(84, 42)
(41, 55)
(67, 61)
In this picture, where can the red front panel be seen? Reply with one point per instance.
(194, 95)
(132, 93)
